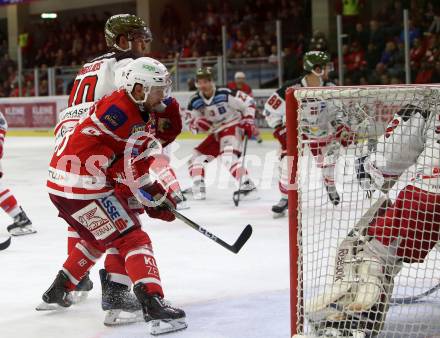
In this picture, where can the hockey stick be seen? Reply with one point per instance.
(4, 245)
(414, 299)
(235, 248)
(236, 197)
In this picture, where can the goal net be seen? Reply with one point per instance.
(364, 264)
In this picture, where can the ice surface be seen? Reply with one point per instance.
(225, 295)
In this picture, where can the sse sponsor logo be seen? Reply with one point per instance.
(115, 213)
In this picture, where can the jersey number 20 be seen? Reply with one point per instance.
(83, 86)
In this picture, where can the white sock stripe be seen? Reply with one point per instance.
(163, 171)
(14, 211)
(170, 184)
(73, 234)
(86, 252)
(149, 281)
(143, 251)
(112, 251)
(5, 196)
(71, 278)
(195, 166)
(120, 278)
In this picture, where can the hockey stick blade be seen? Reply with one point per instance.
(235, 248)
(4, 245)
(414, 299)
(242, 239)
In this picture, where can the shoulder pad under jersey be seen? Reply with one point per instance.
(195, 102)
(292, 83)
(118, 55)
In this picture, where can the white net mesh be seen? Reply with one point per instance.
(367, 271)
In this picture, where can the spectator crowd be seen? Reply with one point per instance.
(373, 51)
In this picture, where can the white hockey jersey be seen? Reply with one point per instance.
(224, 109)
(411, 138)
(97, 78)
(275, 106)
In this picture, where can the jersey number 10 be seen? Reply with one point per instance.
(85, 85)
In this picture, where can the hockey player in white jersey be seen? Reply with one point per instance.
(127, 37)
(323, 129)
(227, 116)
(21, 225)
(405, 231)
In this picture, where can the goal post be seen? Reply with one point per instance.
(385, 129)
(292, 153)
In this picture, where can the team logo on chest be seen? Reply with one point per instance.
(113, 118)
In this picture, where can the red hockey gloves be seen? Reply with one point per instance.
(200, 124)
(345, 135)
(160, 203)
(247, 124)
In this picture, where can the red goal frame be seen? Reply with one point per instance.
(294, 247)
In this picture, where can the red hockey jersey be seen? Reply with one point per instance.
(80, 164)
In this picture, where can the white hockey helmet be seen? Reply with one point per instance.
(149, 73)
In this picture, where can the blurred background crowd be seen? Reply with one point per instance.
(373, 50)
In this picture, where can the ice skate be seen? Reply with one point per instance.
(279, 209)
(181, 202)
(120, 306)
(82, 290)
(247, 191)
(199, 190)
(333, 194)
(57, 296)
(163, 317)
(22, 225)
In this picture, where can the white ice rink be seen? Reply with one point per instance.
(224, 295)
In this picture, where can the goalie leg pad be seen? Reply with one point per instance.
(343, 280)
(363, 283)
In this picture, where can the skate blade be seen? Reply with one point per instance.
(277, 215)
(159, 327)
(43, 306)
(252, 196)
(119, 317)
(27, 230)
(199, 197)
(182, 206)
(79, 296)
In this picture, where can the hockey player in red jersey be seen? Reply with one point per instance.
(127, 37)
(405, 231)
(21, 223)
(227, 116)
(105, 153)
